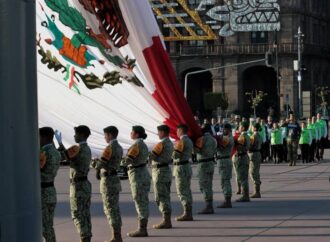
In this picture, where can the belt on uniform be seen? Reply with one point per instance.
(112, 172)
(181, 163)
(205, 160)
(78, 179)
(159, 165)
(254, 151)
(136, 167)
(241, 154)
(223, 157)
(47, 184)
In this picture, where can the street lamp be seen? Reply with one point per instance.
(300, 37)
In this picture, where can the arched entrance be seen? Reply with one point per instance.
(198, 85)
(261, 78)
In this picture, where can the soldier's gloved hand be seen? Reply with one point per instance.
(98, 174)
(58, 136)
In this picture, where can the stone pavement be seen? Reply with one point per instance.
(295, 207)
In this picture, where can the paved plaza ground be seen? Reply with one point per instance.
(295, 207)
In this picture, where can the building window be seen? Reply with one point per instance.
(259, 37)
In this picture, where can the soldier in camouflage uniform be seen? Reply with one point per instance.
(225, 165)
(80, 157)
(161, 175)
(182, 171)
(236, 134)
(110, 187)
(49, 165)
(255, 159)
(241, 161)
(205, 148)
(139, 178)
(294, 131)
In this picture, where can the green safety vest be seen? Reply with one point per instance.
(276, 137)
(313, 129)
(262, 133)
(322, 127)
(305, 136)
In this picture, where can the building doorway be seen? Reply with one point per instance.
(261, 78)
(198, 85)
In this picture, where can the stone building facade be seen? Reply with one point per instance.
(279, 81)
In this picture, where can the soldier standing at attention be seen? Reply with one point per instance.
(225, 165)
(161, 157)
(79, 157)
(183, 172)
(49, 165)
(110, 187)
(205, 148)
(139, 178)
(236, 134)
(255, 159)
(292, 140)
(241, 161)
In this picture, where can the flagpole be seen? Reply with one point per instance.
(20, 209)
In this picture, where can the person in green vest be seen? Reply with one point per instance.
(311, 124)
(304, 142)
(276, 142)
(323, 131)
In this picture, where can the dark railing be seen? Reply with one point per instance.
(246, 49)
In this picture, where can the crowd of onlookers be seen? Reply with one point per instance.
(282, 139)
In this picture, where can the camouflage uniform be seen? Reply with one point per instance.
(241, 163)
(225, 165)
(80, 188)
(183, 173)
(161, 174)
(139, 177)
(255, 161)
(162, 179)
(205, 148)
(49, 165)
(110, 183)
(293, 142)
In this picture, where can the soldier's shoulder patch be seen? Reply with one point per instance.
(158, 148)
(134, 151)
(73, 151)
(107, 153)
(179, 146)
(42, 159)
(199, 143)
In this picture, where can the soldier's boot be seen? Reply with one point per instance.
(86, 239)
(226, 203)
(239, 190)
(256, 193)
(245, 197)
(208, 208)
(187, 214)
(116, 235)
(165, 223)
(141, 231)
